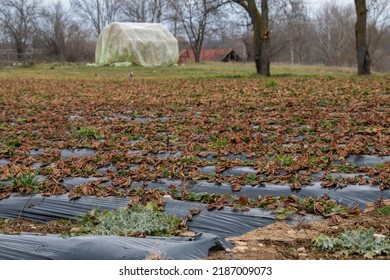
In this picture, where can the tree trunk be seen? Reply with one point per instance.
(197, 55)
(363, 56)
(266, 43)
(257, 41)
(19, 50)
(261, 40)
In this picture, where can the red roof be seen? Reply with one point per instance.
(205, 55)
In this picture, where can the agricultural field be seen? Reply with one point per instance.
(281, 165)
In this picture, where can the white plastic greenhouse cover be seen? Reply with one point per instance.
(146, 44)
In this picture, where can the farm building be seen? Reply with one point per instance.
(223, 55)
(145, 44)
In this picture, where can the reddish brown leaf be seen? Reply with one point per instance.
(243, 200)
(195, 211)
(343, 153)
(318, 208)
(211, 206)
(73, 196)
(4, 195)
(335, 220)
(236, 187)
(296, 186)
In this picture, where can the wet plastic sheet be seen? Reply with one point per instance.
(215, 225)
(367, 160)
(350, 196)
(223, 223)
(54, 247)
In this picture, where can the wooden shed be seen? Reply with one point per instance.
(222, 55)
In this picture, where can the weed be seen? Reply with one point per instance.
(203, 197)
(189, 160)
(330, 178)
(380, 166)
(282, 213)
(299, 120)
(249, 162)
(179, 127)
(26, 180)
(361, 241)
(10, 146)
(385, 210)
(209, 176)
(328, 123)
(250, 178)
(122, 172)
(87, 132)
(285, 160)
(134, 221)
(294, 180)
(12, 143)
(199, 130)
(217, 142)
(166, 173)
(88, 171)
(270, 83)
(236, 128)
(324, 149)
(135, 137)
(197, 148)
(346, 168)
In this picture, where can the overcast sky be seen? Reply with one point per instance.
(313, 3)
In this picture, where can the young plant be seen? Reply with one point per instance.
(285, 160)
(26, 181)
(250, 178)
(87, 132)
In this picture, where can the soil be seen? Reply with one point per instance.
(281, 241)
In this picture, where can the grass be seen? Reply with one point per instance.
(207, 70)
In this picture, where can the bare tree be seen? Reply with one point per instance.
(195, 17)
(79, 44)
(289, 28)
(173, 15)
(334, 43)
(363, 55)
(98, 12)
(18, 22)
(378, 22)
(261, 33)
(54, 25)
(143, 10)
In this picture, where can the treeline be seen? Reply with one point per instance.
(67, 30)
